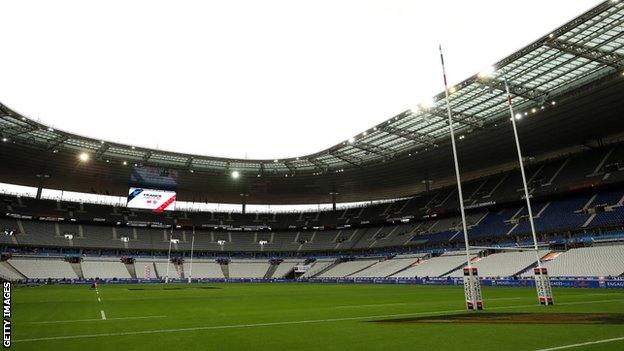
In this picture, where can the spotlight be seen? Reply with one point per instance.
(235, 174)
(84, 157)
(518, 115)
(4, 140)
(125, 163)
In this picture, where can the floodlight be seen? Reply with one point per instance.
(235, 174)
(84, 157)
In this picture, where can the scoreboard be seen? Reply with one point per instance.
(152, 199)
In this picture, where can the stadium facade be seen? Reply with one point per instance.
(568, 91)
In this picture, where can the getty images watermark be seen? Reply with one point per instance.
(6, 314)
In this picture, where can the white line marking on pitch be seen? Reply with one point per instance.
(372, 305)
(414, 303)
(604, 341)
(103, 314)
(268, 324)
(94, 320)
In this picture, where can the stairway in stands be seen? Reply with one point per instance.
(10, 267)
(225, 268)
(77, 267)
(336, 262)
(131, 270)
(271, 271)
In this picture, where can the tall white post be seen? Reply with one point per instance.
(191, 263)
(542, 282)
(472, 287)
(169, 256)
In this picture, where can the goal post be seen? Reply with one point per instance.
(542, 284)
(472, 289)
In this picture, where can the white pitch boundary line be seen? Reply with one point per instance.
(269, 324)
(571, 346)
(416, 303)
(95, 320)
(103, 314)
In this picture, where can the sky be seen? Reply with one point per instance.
(247, 78)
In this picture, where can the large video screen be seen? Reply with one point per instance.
(152, 199)
(154, 177)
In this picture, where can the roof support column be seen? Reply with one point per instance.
(244, 202)
(333, 199)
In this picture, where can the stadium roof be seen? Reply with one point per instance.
(581, 54)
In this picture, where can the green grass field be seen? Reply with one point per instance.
(301, 317)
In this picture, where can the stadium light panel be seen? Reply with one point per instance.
(84, 157)
(4, 140)
(125, 163)
(518, 115)
(235, 174)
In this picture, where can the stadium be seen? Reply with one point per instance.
(491, 217)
